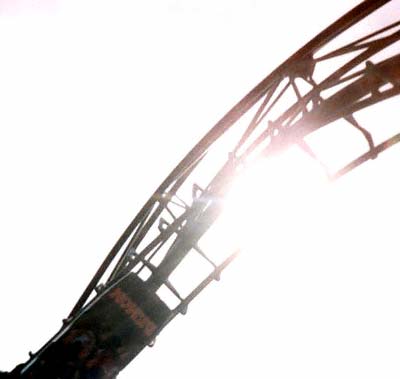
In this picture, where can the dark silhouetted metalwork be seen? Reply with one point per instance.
(133, 295)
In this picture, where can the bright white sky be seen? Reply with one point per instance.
(99, 100)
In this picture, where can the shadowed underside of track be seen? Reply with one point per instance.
(124, 306)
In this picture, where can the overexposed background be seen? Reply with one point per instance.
(98, 102)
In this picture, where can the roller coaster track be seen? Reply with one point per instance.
(345, 69)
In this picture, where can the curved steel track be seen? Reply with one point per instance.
(332, 78)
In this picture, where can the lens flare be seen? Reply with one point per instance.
(275, 201)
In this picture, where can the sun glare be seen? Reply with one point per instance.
(274, 202)
(318, 263)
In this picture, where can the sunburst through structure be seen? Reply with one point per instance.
(258, 176)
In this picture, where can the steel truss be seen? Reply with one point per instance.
(331, 78)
